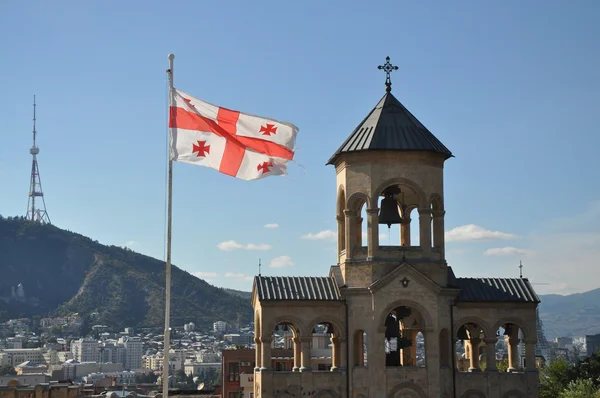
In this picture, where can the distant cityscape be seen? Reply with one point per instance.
(219, 361)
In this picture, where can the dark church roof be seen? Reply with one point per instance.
(493, 289)
(390, 126)
(296, 288)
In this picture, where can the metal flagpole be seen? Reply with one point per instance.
(167, 342)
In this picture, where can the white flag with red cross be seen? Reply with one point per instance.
(237, 144)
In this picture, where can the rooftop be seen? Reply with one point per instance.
(296, 288)
(390, 126)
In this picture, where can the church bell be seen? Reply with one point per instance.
(389, 213)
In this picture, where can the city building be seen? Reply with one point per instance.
(133, 351)
(189, 327)
(592, 344)
(85, 350)
(236, 338)
(237, 365)
(15, 356)
(381, 304)
(220, 327)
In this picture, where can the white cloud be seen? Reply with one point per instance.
(382, 236)
(506, 251)
(238, 276)
(233, 245)
(272, 225)
(203, 275)
(321, 235)
(471, 232)
(281, 262)
(131, 243)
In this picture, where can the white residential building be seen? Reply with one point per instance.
(85, 350)
(220, 326)
(134, 351)
(15, 356)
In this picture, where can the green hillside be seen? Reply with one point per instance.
(64, 272)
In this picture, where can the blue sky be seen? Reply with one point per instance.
(512, 88)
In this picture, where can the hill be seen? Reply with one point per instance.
(64, 272)
(572, 315)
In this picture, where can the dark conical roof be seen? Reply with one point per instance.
(390, 126)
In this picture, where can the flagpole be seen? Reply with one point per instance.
(167, 342)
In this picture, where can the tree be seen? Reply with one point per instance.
(554, 378)
(581, 388)
(7, 370)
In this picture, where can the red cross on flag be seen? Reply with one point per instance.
(241, 145)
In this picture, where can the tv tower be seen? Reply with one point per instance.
(36, 211)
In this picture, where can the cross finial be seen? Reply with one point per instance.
(259, 267)
(521, 269)
(388, 68)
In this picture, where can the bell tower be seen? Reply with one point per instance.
(391, 166)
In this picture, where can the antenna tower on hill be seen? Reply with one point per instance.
(36, 209)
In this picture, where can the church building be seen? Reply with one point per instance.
(398, 321)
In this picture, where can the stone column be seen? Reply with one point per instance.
(530, 355)
(474, 355)
(358, 231)
(425, 229)
(405, 232)
(341, 239)
(438, 231)
(297, 354)
(413, 347)
(490, 355)
(258, 354)
(305, 348)
(266, 360)
(335, 352)
(513, 353)
(372, 232)
(341, 351)
(350, 215)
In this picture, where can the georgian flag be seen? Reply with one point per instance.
(243, 146)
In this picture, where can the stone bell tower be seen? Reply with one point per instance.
(392, 165)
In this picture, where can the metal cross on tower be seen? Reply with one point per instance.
(387, 68)
(36, 210)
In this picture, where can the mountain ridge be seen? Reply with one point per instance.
(64, 272)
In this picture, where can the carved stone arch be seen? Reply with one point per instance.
(408, 303)
(436, 202)
(297, 324)
(514, 394)
(407, 389)
(473, 394)
(326, 393)
(357, 199)
(472, 319)
(401, 181)
(337, 324)
(527, 332)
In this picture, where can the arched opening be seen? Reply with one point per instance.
(437, 222)
(341, 220)
(414, 238)
(444, 345)
(404, 341)
(510, 349)
(362, 225)
(395, 207)
(322, 347)
(360, 348)
(285, 348)
(470, 348)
